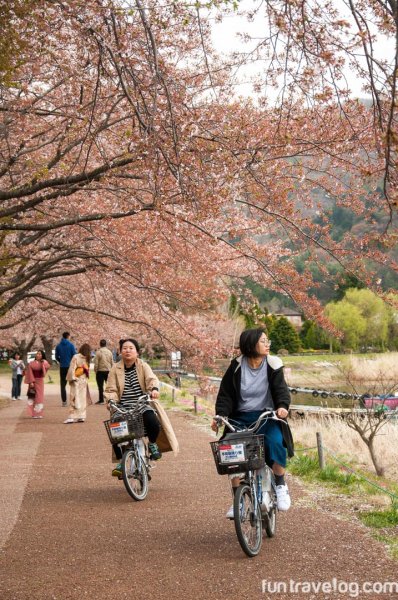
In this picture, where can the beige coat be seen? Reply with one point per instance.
(103, 360)
(167, 440)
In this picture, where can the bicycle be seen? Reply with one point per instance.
(126, 429)
(241, 452)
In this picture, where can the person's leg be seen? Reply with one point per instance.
(100, 386)
(19, 384)
(152, 428)
(63, 371)
(276, 455)
(101, 377)
(152, 425)
(14, 388)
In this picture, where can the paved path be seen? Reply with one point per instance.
(69, 530)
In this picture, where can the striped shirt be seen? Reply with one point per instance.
(132, 391)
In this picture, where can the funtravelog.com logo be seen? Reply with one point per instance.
(352, 589)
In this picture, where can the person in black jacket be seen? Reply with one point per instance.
(253, 383)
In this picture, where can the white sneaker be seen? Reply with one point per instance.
(69, 420)
(283, 501)
(230, 512)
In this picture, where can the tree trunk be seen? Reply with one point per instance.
(48, 347)
(23, 347)
(378, 467)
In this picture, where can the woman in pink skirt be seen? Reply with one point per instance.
(34, 377)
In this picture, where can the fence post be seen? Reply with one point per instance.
(195, 405)
(321, 457)
(173, 395)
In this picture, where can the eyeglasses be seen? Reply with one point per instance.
(265, 341)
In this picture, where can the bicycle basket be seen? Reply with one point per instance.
(125, 428)
(240, 454)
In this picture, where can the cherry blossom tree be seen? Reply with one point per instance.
(135, 187)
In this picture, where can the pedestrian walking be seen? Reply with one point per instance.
(34, 377)
(78, 374)
(18, 367)
(103, 363)
(64, 353)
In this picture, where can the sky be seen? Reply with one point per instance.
(225, 40)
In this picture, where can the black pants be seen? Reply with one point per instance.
(101, 377)
(63, 371)
(151, 424)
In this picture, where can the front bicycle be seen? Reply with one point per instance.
(126, 430)
(241, 453)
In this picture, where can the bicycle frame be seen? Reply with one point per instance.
(135, 463)
(248, 503)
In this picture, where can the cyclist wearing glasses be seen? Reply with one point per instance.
(253, 383)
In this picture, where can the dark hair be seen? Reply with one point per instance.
(102, 343)
(66, 334)
(248, 341)
(85, 350)
(15, 353)
(133, 341)
(43, 354)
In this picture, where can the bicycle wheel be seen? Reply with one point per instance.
(269, 521)
(248, 524)
(135, 475)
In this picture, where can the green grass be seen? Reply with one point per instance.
(387, 520)
(307, 467)
(391, 542)
(334, 477)
(381, 518)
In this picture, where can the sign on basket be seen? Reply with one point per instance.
(119, 430)
(232, 453)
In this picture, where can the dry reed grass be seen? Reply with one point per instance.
(379, 370)
(345, 442)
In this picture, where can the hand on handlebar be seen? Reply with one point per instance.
(214, 425)
(282, 413)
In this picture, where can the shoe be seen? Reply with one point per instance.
(81, 420)
(154, 452)
(117, 471)
(68, 420)
(37, 417)
(230, 512)
(283, 501)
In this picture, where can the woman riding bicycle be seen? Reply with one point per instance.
(129, 379)
(253, 383)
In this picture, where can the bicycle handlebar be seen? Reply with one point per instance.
(271, 414)
(125, 411)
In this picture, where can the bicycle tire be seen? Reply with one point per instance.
(135, 475)
(248, 526)
(269, 521)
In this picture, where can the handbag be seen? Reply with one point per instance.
(31, 393)
(79, 371)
